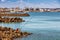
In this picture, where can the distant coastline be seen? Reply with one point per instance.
(42, 9)
(17, 9)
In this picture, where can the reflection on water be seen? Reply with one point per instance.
(43, 25)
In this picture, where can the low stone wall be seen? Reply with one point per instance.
(10, 34)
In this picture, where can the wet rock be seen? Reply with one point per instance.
(7, 20)
(26, 33)
(10, 34)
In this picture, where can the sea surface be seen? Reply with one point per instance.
(43, 25)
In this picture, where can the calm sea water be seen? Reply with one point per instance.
(43, 25)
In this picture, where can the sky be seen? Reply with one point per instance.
(30, 3)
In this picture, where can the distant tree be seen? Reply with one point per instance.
(37, 9)
(26, 9)
(31, 9)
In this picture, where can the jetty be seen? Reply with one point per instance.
(11, 14)
(6, 16)
(7, 20)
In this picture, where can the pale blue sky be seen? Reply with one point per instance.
(31, 3)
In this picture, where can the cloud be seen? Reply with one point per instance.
(2, 0)
(22, 4)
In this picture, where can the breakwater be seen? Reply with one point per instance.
(11, 19)
(10, 34)
(8, 14)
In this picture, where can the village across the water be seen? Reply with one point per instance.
(17, 10)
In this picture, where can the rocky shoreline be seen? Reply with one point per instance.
(7, 20)
(11, 14)
(11, 34)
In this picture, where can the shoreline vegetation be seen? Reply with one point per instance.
(11, 34)
(42, 9)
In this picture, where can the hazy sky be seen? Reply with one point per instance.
(30, 3)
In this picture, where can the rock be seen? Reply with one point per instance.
(7, 39)
(10, 34)
(7, 20)
(26, 34)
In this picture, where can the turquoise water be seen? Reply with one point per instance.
(43, 25)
